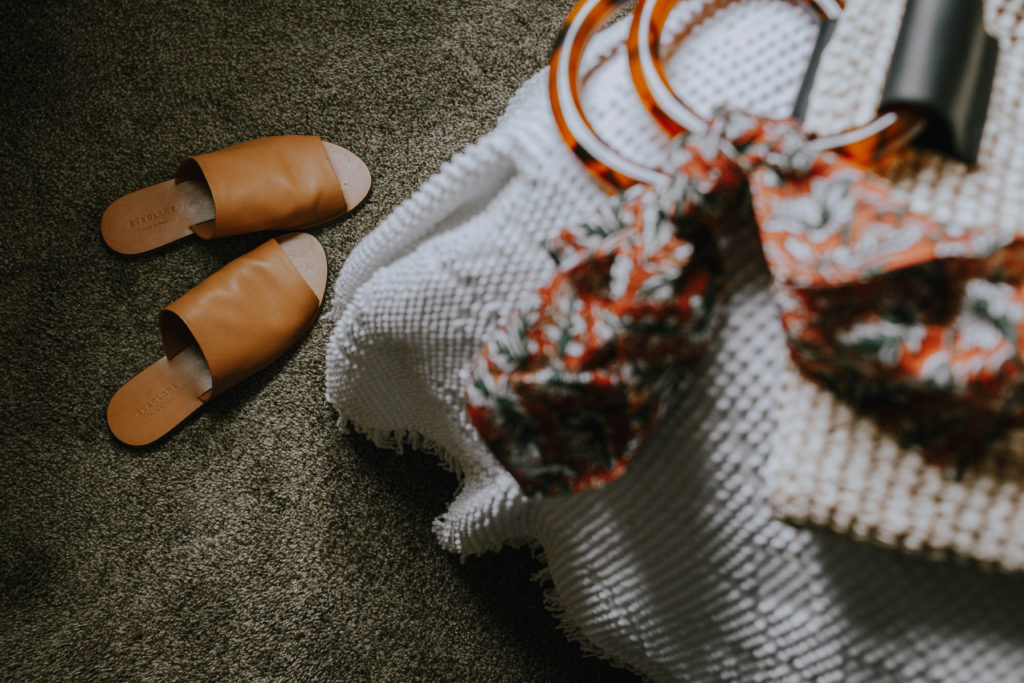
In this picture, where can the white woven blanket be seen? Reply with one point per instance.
(679, 569)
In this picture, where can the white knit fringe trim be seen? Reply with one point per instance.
(398, 440)
(553, 603)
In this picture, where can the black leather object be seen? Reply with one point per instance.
(943, 65)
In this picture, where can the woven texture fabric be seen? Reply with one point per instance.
(834, 468)
(678, 570)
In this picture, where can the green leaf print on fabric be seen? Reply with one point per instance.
(915, 320)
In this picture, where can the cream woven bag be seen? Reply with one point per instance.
(834, 468)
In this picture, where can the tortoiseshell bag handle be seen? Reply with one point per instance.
(867, 144)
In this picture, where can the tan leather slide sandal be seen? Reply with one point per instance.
(285, 182)
(228, 327)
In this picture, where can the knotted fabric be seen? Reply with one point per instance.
(914, 320)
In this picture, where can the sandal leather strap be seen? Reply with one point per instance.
(242, 317)
(282, 182)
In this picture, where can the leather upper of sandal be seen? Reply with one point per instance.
(242, 317)
(279, 182)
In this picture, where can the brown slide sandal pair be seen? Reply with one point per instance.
(247, 314)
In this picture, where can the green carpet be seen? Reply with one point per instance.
(256, 541)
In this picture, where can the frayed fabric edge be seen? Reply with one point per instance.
(554, 605)
(401, 440)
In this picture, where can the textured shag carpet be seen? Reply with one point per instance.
(257, 541)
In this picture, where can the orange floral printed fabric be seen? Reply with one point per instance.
(916, 320)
